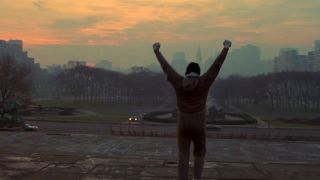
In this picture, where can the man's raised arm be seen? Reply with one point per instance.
(214, 69)
(172, 75)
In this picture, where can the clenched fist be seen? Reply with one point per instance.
(156, 46)
(227, 43)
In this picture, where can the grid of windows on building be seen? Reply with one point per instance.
(290, 60)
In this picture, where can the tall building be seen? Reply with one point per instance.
(317, 45)
(179, 62)
(199, 58)
(14, 48)
(289, 60)
(245, 61)
(246, 54)
(314, 57)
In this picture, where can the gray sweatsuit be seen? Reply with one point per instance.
(191, 93)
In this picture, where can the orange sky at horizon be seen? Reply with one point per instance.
(127, 23)
(113, 22)
(62, 22)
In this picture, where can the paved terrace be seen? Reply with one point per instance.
(158, 130)
(34, 155)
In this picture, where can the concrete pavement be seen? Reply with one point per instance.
(69, 167)
(233, 150)
(34, 155)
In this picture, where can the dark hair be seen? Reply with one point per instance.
(193, 67)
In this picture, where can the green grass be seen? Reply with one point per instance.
(107, 118)
(114, 113)
(113, 118)
(98, 108)
(240, 126)
(281, 124)
(266, 112)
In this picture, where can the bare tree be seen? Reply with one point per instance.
(283, 90)
(14, 81)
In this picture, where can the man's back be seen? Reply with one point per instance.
(191, 94)
(191, 91)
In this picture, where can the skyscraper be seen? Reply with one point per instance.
(314, 57)
(317, 45)
(290, 60)
(14, 48)
(244, 61)
(199, 57)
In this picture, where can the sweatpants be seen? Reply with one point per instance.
(191, 128)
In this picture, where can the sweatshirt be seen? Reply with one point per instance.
(192, 92)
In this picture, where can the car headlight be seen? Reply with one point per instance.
(136, 119)
(130, 119)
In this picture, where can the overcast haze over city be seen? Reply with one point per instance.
(123, 31)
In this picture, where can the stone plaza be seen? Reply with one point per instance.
(35, 155)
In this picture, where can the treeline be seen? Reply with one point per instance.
(85, 84)
(284, 90)
(300, 90)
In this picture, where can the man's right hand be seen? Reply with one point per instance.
(156, 46)
(227, 44)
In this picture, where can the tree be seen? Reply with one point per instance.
(14, 81)
(283, 90)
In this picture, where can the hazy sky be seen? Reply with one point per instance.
(55, 31)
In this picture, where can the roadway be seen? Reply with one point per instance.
(163, 129)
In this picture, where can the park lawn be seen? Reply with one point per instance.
(240, 126)
(265, 112)
(102, 113)
(270, 116)
(108, 108)
(101, 118)
(107, 118)
(281, 124)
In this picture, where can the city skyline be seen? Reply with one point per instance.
(57, 31)
(244, 61)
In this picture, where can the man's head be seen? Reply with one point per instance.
(193, 67)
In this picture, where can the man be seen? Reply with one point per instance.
(191, 92)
